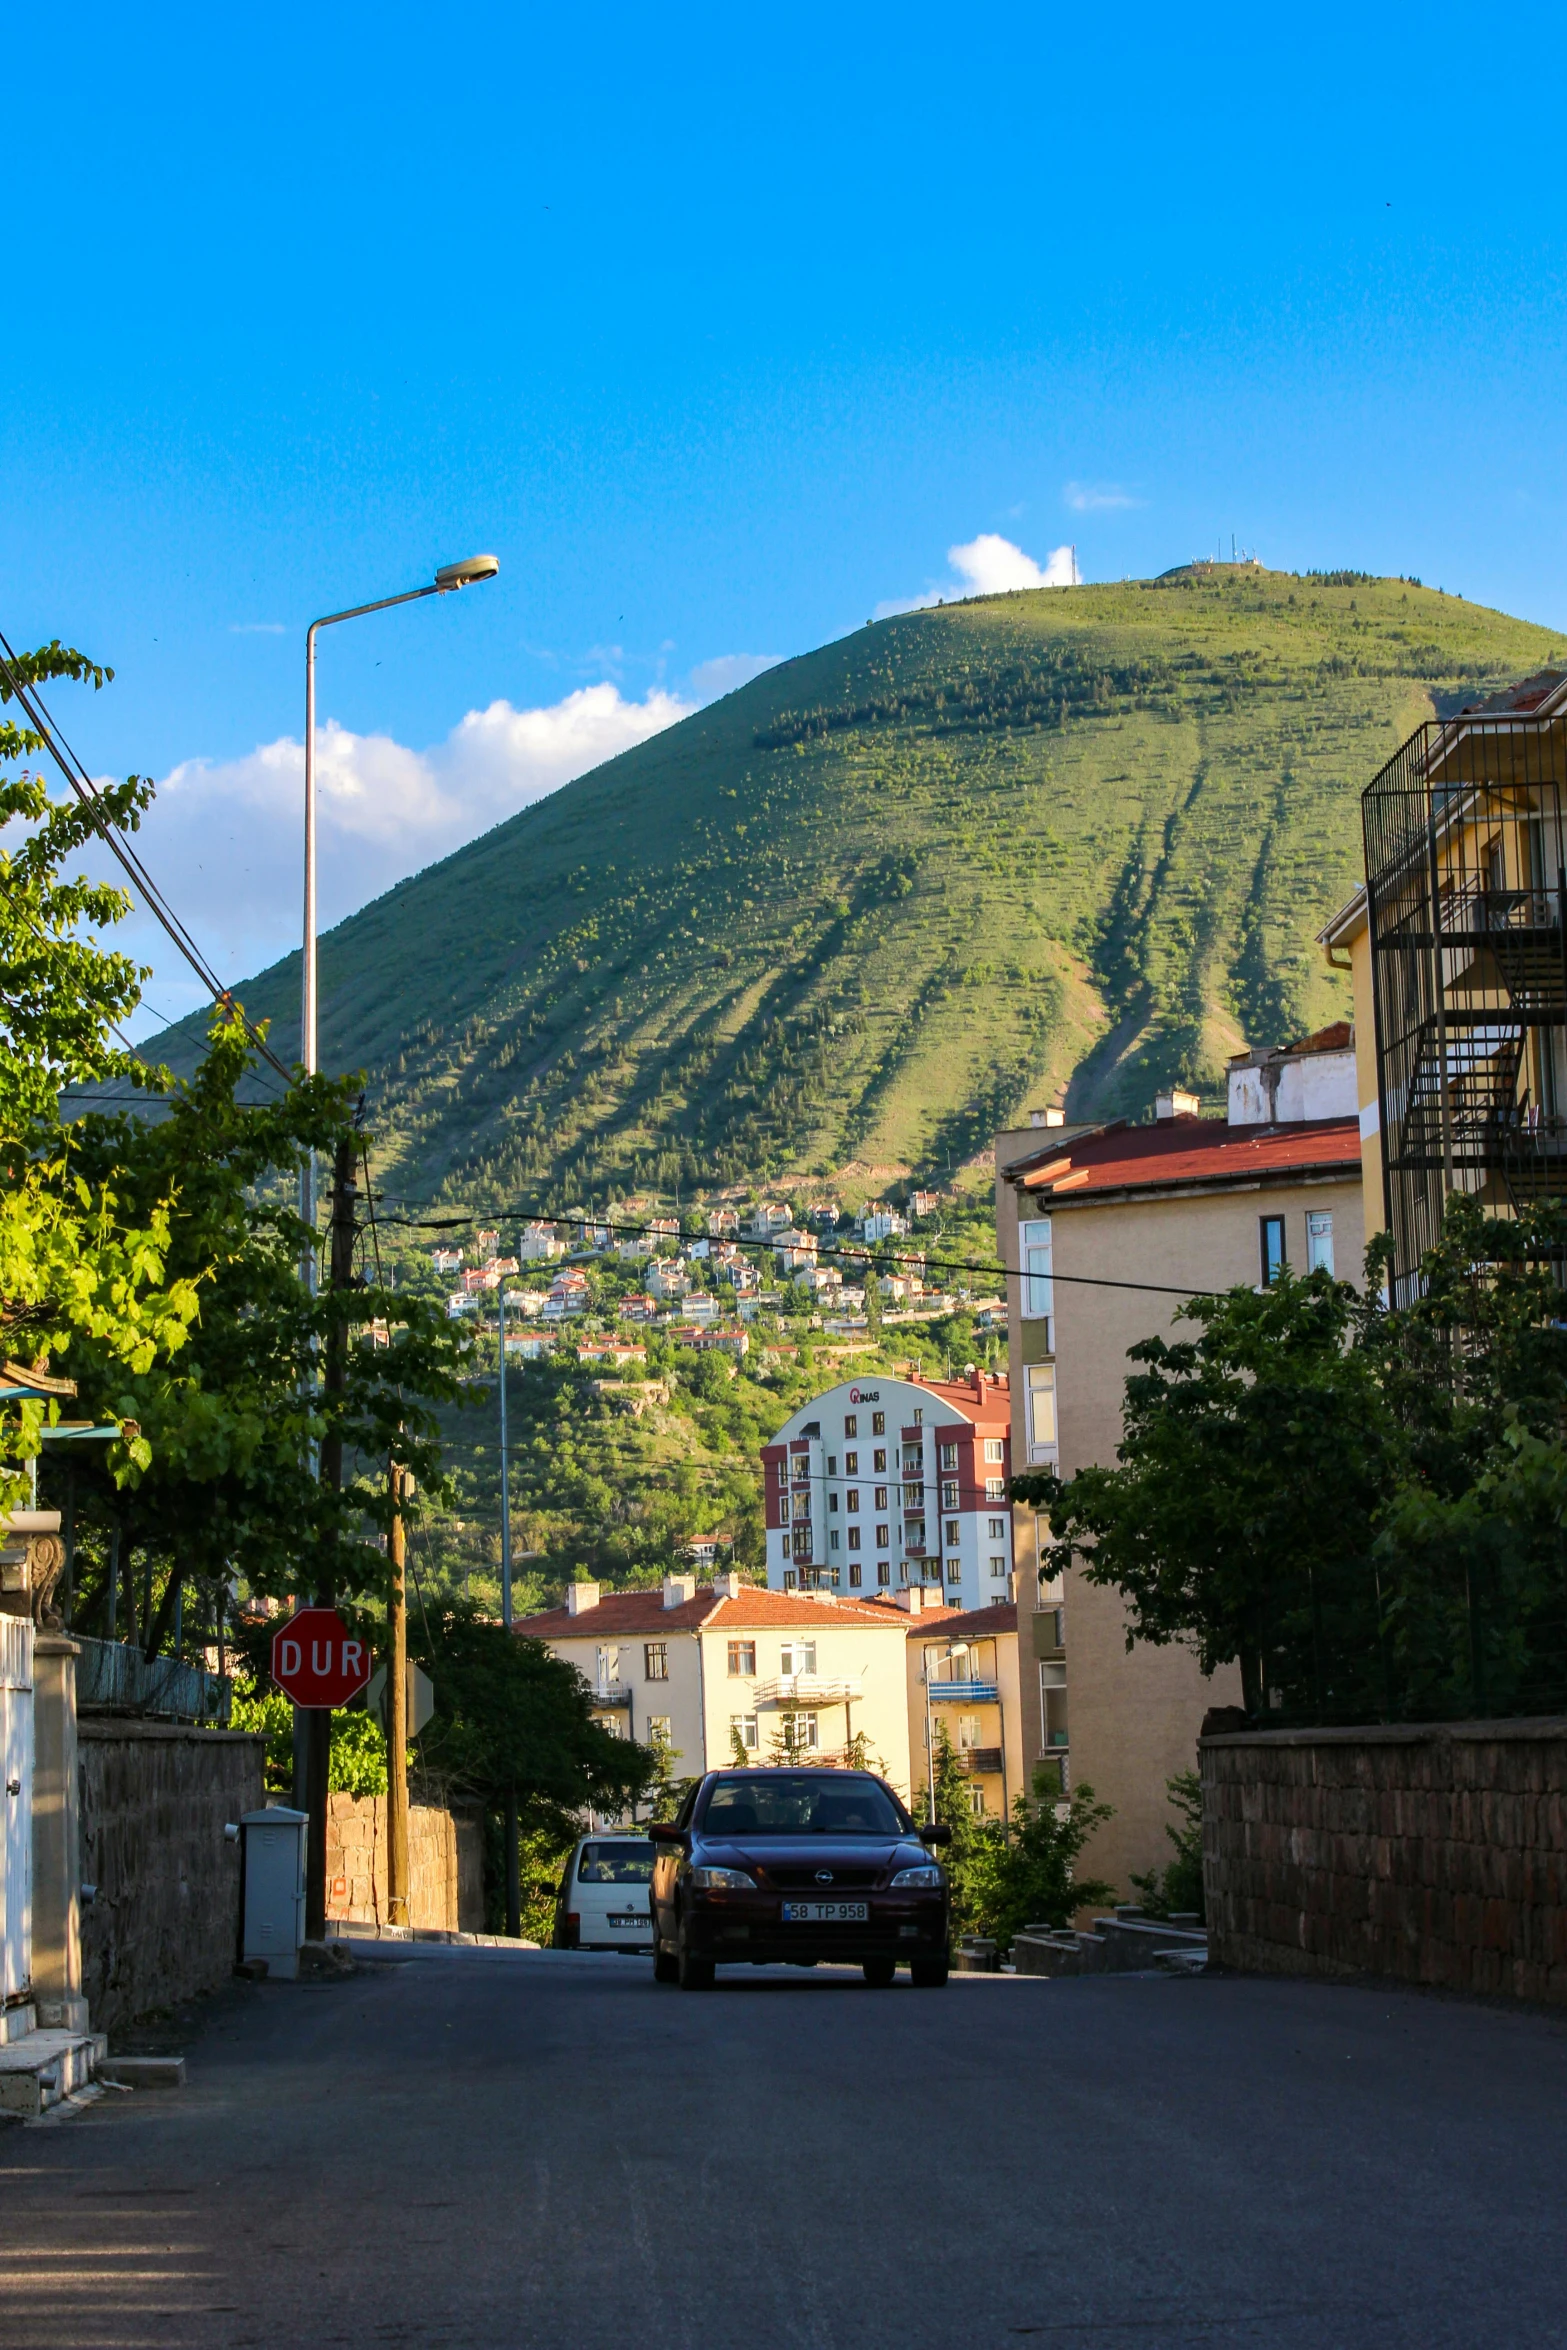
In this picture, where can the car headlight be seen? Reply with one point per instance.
(721, 1877)
(907, 1879)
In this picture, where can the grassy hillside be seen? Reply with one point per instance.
(850, 918)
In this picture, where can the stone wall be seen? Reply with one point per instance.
(445, 1865)
(155, 1798)
(1435, 1854)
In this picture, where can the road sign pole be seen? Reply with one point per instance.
(318, 1725)
(397, 1715)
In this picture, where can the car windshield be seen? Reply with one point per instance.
(615, 1864)
(801, 1803)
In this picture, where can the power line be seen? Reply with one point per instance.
(81, 783)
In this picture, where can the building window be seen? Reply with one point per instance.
(797, 1656)
(1319, 1242)
(883, 1533)
(1041, 1404)
(879, 1463)
(976, 1802)
(878, 1423)
(954, 1533)
(832, 1539)
(854, 1537)
(742, 1656)
(851, 1464)
(995, 1489)
(783, 1510)
(655, 1660)
(832, 1501)
(949, 1456)
(658, 1730)
(851, 1501)
(998, 1567)
(995, 1449)
(832, 1464)
(789, 1578)
(743, 1727)
(1270, 1231)
(881, 1497)
(1034, 1262)
(968, 1732)
(919, 1418)
(998, 1529)
(783, 1471)
(954, 1570)
(884, 1571)
(949, 1494)
(851, 1425)
(854, 1574)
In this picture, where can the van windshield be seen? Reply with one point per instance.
(802, 1803)
(615, 1864)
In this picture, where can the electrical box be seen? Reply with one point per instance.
(273, 1924)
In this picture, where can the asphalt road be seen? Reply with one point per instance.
(490, 2148)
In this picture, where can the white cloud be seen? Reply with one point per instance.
(990, 566)
(1098, 497)
(224, 839)
(728, 672)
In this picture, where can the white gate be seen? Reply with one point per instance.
(16, 1798)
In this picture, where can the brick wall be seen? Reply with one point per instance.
(155, 1798)
(1435, 1854)
(445, 1865)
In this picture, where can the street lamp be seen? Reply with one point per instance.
(448, 580)
(955, 1649)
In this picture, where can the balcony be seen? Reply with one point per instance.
(981, 1761)
(808, 1689)
(612, 1695)
(963, 1692)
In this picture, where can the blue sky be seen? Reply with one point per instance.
(721, 328)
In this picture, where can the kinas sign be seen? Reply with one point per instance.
(316, 1660)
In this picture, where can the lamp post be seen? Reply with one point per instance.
(955, 1648)
(311, 1750)
(448, 580)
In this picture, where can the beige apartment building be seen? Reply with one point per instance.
(702, 1667)
(1184, 1204)
(963, 1676)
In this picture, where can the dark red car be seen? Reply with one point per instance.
(763, 1866)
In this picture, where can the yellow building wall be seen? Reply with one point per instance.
(845, 1651)
(1001, 1724)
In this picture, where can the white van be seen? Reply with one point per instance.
(603, 1900)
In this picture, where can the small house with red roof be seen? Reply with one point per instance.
(719, 1671)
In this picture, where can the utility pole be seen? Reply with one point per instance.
(513, 1863)
(397, 1712)
(317, 1740)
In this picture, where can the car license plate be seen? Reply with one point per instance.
(825, 1913)
(635, 1917)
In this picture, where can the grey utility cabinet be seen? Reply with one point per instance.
(274, 1921)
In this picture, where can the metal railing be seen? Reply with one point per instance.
(953, 1692)
(113, 1677)
(808, 1689)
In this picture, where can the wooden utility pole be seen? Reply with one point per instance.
(397, 1712)
(318, 1719)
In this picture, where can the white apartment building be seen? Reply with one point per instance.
(714, 1671)
(884, 1483)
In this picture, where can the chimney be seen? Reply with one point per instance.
(1175, 1104)
(912, 1598)
(678, 1589)
(580, 1597)
(979, 1382)
(727, 1586)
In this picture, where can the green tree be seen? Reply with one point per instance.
(1177, 1888)
(1026, 1875)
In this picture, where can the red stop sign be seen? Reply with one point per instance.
(316, 1660)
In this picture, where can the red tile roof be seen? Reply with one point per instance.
(1182, 1151)
(965, 1396)
(644, 1612)
(979, 1623)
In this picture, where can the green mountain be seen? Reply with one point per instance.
(854, 916)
